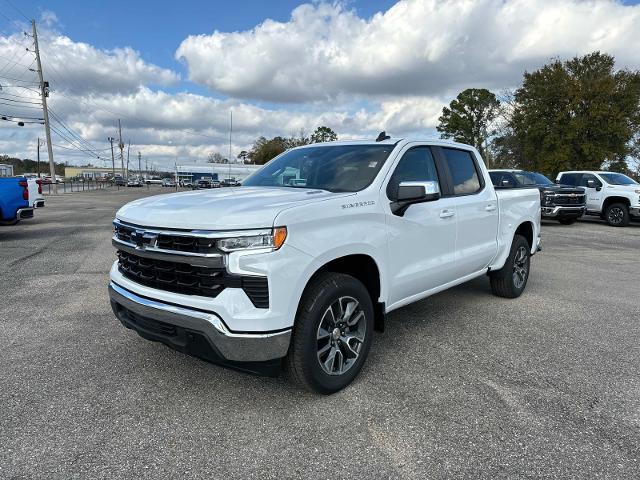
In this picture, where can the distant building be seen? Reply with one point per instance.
(88, 172)
(214, 171)
(6, 170)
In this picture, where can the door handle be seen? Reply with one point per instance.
(491, 207)
(447, 213)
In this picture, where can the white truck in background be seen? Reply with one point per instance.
(615, 197)
(299, 265)
(36, 198)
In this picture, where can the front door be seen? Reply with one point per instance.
(593, 194)
(421, 242)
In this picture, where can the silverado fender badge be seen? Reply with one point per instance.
(359, 204)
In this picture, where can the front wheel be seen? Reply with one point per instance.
(510, 280)
(617, 215)
(332, 333)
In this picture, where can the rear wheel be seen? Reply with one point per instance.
(567, 221)
(510, 280)
(617, 215)
(332, 334)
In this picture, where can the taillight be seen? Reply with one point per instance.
(25, 192)
(39, 186)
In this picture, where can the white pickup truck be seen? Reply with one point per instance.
(613, 196)
(299, 265)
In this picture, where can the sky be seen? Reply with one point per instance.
(173, 71)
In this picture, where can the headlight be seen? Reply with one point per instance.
(272, 239)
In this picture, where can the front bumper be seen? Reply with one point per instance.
(197, 332)
(39, 203)
(563, 212)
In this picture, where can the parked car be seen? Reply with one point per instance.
(14, 200)
(559, 202)
(36, 198)
(153, 181)
(613, 196)
(230, 182)
(200, 184)
(134, 182)
(167, 182)
(186, 183)
(119, 181)
(307, 274)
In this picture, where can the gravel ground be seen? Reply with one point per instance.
(462, 384)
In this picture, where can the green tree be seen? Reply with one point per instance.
(468, 117)
(243, 156)
(576, 114)
(323, 134)
(264, 150)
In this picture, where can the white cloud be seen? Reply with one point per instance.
(325, 66)
(417, 47)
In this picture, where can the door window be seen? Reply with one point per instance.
(464, 173)
(416, 165)
(502, 179)
(585, 179)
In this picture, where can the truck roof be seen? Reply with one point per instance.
(392, 141)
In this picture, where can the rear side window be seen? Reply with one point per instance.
(416, 165)
(464, 173)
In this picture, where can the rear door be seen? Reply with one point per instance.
(476, 207)
(422, 241)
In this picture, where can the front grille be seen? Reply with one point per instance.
(566, 200)
(189, 279)
(186, 244)
(167, 241)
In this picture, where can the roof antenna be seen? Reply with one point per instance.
(383, 136)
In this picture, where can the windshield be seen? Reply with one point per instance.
(532, 178)
(617, 179)
(336, 168)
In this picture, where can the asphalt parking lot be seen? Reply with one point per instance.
(461, 385)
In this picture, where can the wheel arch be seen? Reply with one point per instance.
(611, 200)
(525, 229)
(364, 268)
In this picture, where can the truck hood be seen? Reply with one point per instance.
(229, 208)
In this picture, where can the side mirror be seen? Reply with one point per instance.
(414, 192)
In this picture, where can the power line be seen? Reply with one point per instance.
(20, 101)
(18, 10)
(20, 106)
(72, 132)
(64, 137)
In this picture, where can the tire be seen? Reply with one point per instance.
(617, 215)
(511, 280)
(567, 221)
(314, 348)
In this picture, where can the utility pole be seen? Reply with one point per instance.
(121, 145)
(230, 131)
(39, 144)
(113, 159)
(44, 92)
(128, 148)
(139, 164)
